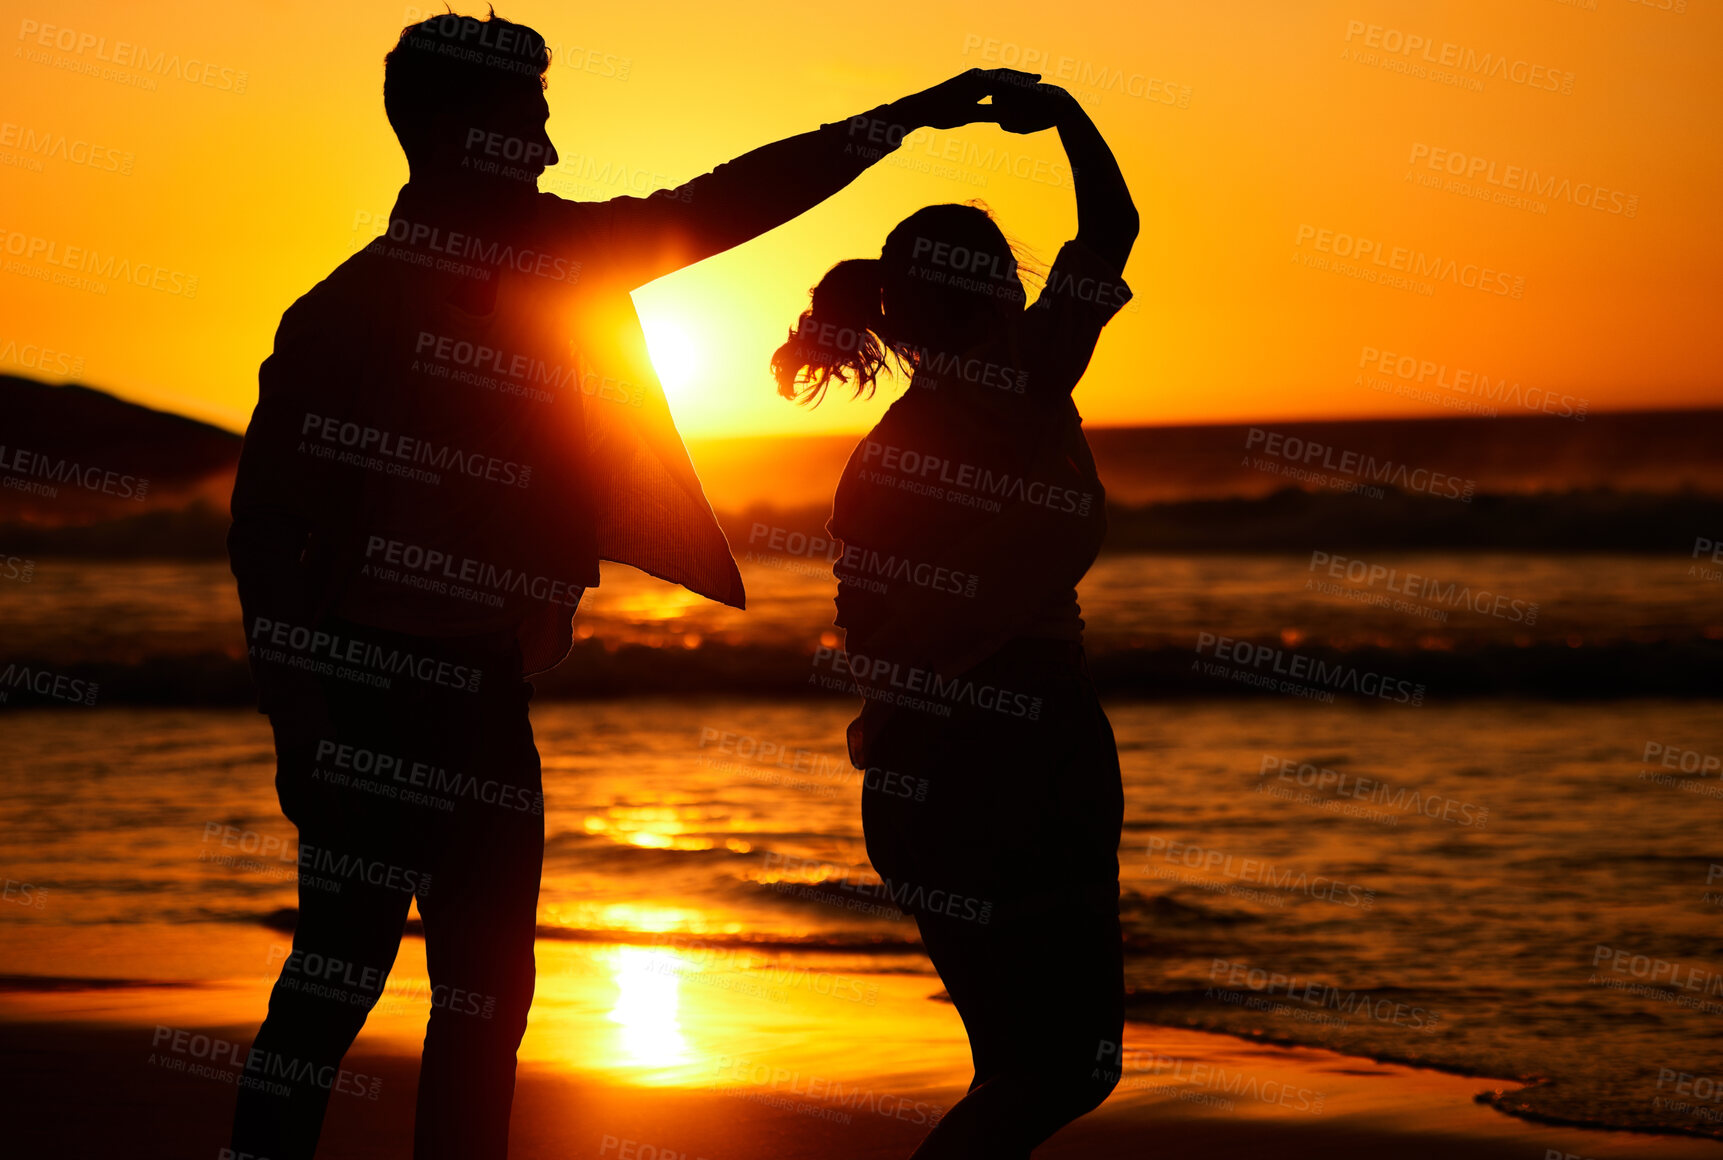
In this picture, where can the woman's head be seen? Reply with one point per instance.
(945, 279)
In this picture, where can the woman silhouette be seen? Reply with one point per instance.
(992, 800)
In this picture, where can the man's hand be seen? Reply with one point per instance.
(958, 101)
(1030, 108)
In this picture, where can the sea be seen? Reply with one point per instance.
(1512, 879)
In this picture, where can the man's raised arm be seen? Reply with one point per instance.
(642, 238)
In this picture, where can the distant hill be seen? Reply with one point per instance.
(96, 453)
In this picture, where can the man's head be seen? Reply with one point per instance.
(466, 98)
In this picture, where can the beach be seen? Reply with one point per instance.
(78, 1082)
(1303, 888)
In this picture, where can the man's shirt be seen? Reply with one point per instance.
(431, 460)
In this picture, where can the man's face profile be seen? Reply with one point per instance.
(502, 138)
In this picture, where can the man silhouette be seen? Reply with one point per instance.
(453, 429)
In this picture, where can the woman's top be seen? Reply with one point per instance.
(971, 511)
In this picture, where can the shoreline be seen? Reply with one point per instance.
(55, 1068)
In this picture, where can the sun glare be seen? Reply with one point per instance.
(675, 355)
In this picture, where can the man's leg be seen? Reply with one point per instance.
(479, 925)
(360, 860)
(343, 946)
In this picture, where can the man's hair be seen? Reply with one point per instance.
(455, 64)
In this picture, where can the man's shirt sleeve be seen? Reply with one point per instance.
(633, 240)
(277, 491)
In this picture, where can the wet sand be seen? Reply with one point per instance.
(637, 1054)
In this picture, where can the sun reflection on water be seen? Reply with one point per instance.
(648, 1008)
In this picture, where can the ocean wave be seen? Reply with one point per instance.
(1686, 668)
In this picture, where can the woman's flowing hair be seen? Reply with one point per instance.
(845, 334)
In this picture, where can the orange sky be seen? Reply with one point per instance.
(1246, 130)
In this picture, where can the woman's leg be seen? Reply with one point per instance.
(1025, 815)
(1042, 998)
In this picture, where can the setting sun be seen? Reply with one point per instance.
(675, 356)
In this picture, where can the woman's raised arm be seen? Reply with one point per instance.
(1106, 217)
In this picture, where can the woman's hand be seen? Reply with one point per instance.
(958, 101)
(1030, 108)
